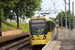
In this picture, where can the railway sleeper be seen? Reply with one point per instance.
(12, 40)
(14, 44)
(19, 46)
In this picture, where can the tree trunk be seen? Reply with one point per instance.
(17, 21)
(0, 27)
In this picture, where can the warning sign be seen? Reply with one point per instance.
(66, 31)
(59, 30)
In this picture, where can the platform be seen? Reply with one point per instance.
(59, 45)
(6, 38)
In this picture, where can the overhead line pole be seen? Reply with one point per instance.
(61, 18)
(66, 22)
(73, 12)
(65, 16)
(58, 19)
(69, 16)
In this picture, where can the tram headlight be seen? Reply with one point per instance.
(32, 38)
(44, 37)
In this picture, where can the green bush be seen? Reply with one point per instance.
(11, 26)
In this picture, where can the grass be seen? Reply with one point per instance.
(12, 26)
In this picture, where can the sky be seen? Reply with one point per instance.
(59, 5)
(52, 6)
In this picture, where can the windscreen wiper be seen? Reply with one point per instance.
(35, 33)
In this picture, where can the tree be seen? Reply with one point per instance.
(62, 14)
(52, 18)
(25, 9)
(3, 4)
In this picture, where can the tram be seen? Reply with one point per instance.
(40, 30)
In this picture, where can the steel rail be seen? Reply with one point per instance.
(23, 41)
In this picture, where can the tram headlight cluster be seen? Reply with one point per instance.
(32, 38)
(44, 37)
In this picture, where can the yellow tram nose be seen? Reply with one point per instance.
(40, 30)
(39, 42)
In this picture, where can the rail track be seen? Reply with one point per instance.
(15, 43)
(19, 43)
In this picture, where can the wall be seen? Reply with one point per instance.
(11, 32)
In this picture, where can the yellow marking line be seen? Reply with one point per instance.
(50, 45)
(46, 45)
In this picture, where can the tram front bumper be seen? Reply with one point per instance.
(39, 42)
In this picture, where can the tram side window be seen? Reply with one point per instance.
(52, 26)
(29, 26)
(48, 26)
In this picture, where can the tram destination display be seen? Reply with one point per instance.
(37, 21)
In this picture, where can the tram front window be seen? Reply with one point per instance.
(38, 28)
(38, 31)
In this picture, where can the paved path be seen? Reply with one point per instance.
(67, 45)
(60, 45)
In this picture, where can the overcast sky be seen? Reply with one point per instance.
(54, 5)
(59, 5)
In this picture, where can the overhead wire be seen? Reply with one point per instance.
(66, 2)
(43, 6)
(58, 6)
(54, 3)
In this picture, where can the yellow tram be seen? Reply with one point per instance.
(40, 30)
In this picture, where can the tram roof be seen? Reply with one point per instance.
(47, 19)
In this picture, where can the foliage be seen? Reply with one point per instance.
(6, 3)
(23, 9)
(52, 18)
(62, 14)
(3, 4)
(15, 9)
(11, 26)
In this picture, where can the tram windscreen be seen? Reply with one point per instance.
(38, 26)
